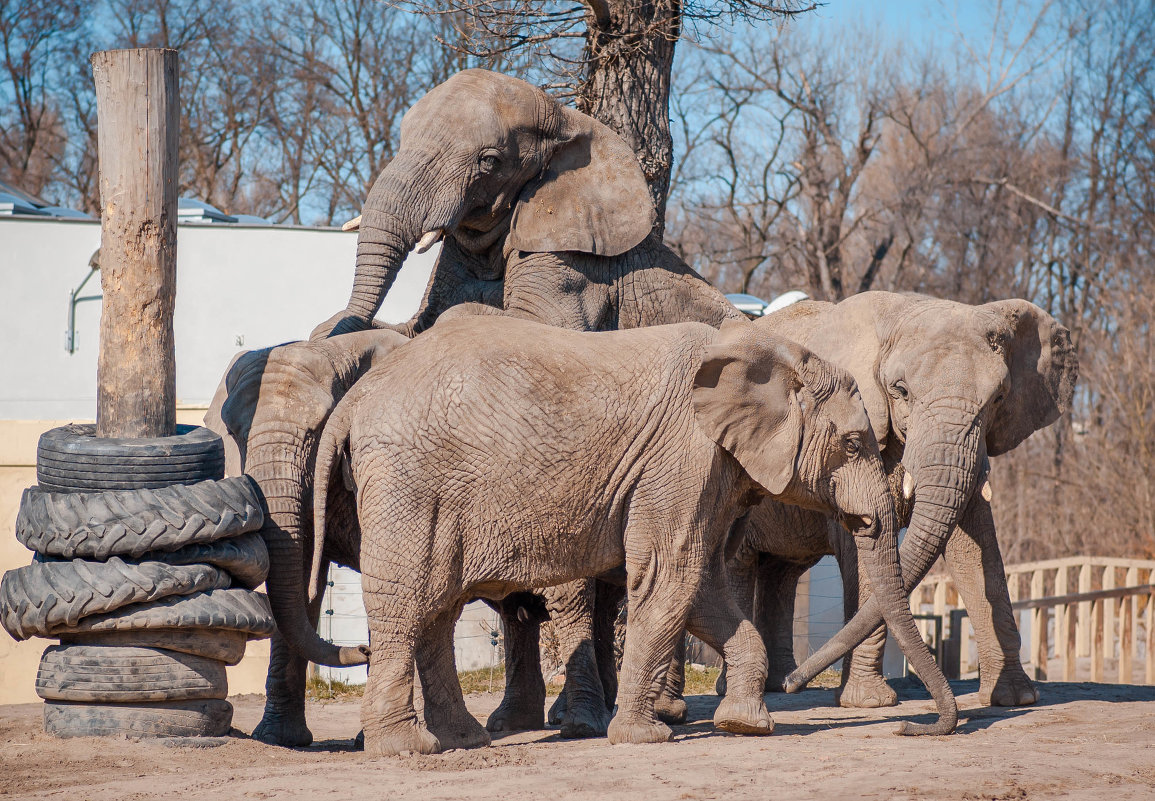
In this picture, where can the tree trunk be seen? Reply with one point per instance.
(626, 85)
(138, 108)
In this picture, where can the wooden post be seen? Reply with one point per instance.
(1109, 615)
(1038, 629)
(1083, 626)
(1149, 673)
(1039, 648)
(1126, 639)
(1067, 638)
(1097, 635)
(138, 112)
(1060, 611)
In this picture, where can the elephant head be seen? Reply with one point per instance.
(270, 409)
(797, 425)
(947, 385)
(483, 156)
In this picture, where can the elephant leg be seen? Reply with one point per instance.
(548, 288)
(388, 718)
(863, 685)
(521, 708)
(774, 616)
(607, 604)
(717, 620)
(283, 722)
(659, 602)
(742, 579)
(671, 704)
(973, 557)
(571, 608)
(445, 714)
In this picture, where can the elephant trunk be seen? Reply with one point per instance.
(945, 472)
(277, 461)
(393, 219)
(882, 567)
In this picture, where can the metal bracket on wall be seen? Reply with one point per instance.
(74, 299)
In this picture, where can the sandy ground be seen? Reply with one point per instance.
(1081, 741)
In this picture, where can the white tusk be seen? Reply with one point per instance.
(907, 486)
(428, 240)
(986, 491)
(353, 224)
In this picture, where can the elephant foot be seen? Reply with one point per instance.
(409, 737)
(743, 716)
(866, 693)
(670, 710)
(557, 711)
(460, 733)
(288, 731)
(637, 730)
(515, 716)
(584, 720)
(1011, 687)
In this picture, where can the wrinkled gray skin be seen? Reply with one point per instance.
(545, 215)
(494, 455)
(946, 385)
(269, 410)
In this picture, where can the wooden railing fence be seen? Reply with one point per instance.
(1098, 608)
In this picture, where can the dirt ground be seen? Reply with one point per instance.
(1081, 741)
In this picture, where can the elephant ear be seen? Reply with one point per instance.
(847, 334)
(1042, 369)
(230, 413)
(746, 399)
(591, 196)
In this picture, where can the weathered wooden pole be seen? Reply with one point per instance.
(137, 108)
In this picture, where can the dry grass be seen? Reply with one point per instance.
(699, 681)
(319, 689)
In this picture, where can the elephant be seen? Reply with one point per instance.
(530, 196)
(494, 455)
(269, 410)
(946, 386)
(544, 214)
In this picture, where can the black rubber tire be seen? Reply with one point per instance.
(38, 598)
(133, 523)
(232, 609)
(244, 558)
(73, 459)
(211, 718)
(220, 645)
(96, 674)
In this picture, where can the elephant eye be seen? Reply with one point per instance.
(901, 391)
(852, 444)
(488, 163)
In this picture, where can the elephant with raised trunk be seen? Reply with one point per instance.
(946, 386)
(269, 410)
(523, 189)
(544, 215)
(495, 455)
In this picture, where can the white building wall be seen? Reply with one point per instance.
(238, 287)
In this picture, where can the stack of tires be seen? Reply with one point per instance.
(144, 569)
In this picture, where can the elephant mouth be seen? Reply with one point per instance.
(474, 239)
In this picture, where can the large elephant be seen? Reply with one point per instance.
(946, 386)
(494, 455)
(545, 215)
(525, 189)
(270, 409)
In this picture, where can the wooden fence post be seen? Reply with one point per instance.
(138, 109)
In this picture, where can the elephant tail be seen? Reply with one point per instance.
(334, 440)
